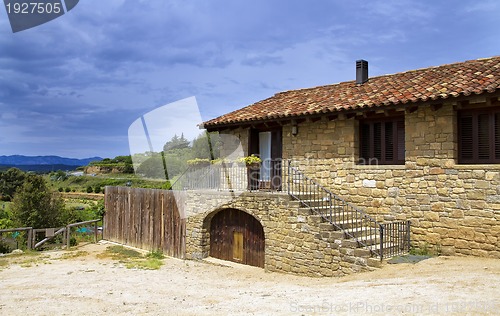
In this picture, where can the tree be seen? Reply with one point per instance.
(152, 168)
(35, 205)
(206, 145)
(10, 181)
(176, 143)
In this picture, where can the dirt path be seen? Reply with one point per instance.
(86, 284)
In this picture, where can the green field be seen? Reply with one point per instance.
(82, 183)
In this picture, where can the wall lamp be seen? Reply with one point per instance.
(295, 129)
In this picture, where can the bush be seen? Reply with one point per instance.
(35, 205)
(4, 248)
(89, 189)
(97, 189)
(60, 189)
(67, 190)
(73, 242)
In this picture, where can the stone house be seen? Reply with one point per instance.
(338, 160)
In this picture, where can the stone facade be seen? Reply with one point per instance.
(295, 240)
(454, 208)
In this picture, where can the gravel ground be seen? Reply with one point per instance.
(52, 284)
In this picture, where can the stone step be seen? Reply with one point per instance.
(327, 211)
(309, 195)
(363, 231)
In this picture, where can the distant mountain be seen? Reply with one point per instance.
(19, 160)
(40, 168)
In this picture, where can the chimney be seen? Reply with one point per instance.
(361, 71)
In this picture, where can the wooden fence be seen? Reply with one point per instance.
(144, 218)
(51, 233)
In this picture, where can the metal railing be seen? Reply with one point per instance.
(232, 177)
(382, 239)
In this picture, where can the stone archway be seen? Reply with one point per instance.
(237, 236)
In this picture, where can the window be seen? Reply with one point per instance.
(382, 141)
(479, 136)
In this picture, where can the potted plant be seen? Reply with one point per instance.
(251, 161)
(199, 162)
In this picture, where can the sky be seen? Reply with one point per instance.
(73, 86)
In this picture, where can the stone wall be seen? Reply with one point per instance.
(295, 241)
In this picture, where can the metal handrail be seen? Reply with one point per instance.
(230, 176)
(355, 223)
(180, 177)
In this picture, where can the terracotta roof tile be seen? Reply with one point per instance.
(442, 82)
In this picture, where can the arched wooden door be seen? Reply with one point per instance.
(237, 236)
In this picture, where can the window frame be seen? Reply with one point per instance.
(476, 148)
(398, 140)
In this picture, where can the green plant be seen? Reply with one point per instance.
(97, 189)
(423, 249)
(134, 259)
(89, 189)
(250, 160)
(120, 253)
(156, 254)
(219, 161)
(149, 264)
(60, 189)
(198, 161)
(67, 190)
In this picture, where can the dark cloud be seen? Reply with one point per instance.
(74, 85)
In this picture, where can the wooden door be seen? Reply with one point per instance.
(237, 236)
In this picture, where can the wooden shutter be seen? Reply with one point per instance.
(479, 136)
(276, 144)
(253, 142)
(465, 134)
(383, 141)
(364, 143)
(389, 136)
(276, 156)
(377, 141)
(483, 137)
(400, 141)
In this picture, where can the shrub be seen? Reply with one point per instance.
(67, 190)
(60, 189)
(35, 205)
(73, 242)
(4, 248)
(97, 189)
(89, 189)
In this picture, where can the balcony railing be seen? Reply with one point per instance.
(232, 177)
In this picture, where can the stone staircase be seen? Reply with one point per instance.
(342, 224)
